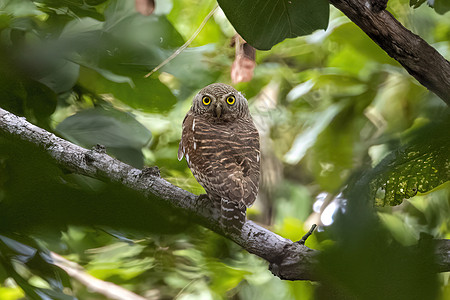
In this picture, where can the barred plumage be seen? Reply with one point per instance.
(221, 146)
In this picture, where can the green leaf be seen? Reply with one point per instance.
(225, 277)
(193, 76)
(19, 8)
(121, 53)
(264, 23)
(416, 3)
(52, 294)
(5, 21)
(441, 6)
(108, 74)
(105, 126)
(145, 94)
(79, 7)
(25, 97)
(22, 250)
(62, 78)
(122, 135)
(119, 260)
(419, 166)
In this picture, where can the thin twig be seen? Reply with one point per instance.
(185, 45)
(107, 289)
(307, 235)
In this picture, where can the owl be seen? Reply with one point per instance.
(221, 145)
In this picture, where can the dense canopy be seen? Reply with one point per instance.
(350, 141)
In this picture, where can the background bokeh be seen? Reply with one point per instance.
(328, 106)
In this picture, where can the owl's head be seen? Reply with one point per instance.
(219, 101)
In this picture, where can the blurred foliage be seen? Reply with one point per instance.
(335, 113)
(419, 166)
(24, 260)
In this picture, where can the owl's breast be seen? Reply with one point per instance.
(225, 144)
(224, 158)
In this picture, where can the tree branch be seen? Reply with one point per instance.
(421, 60)
(287, 260)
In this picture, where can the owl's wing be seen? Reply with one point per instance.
(186, 135)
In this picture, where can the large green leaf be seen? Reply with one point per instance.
(418, 166)
(442, 6)
(121, 51)
(264, 23)
(145, 94)
(122, 135)
(24, 96)
(193, 76)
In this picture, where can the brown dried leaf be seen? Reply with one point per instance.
(244, 62)
(145, 7)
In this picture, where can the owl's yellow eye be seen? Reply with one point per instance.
(231, 100)
(206, 100)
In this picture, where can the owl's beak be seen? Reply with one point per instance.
(218, 110)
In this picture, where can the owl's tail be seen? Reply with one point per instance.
(232, 216)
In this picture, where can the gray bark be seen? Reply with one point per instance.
(287, 260)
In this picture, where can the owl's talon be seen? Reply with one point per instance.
(152, 171)
(203, 199)
(99, 149)
(90, 155)
(204, 203)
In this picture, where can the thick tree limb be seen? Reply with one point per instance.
(421, 60)
(287, 260)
